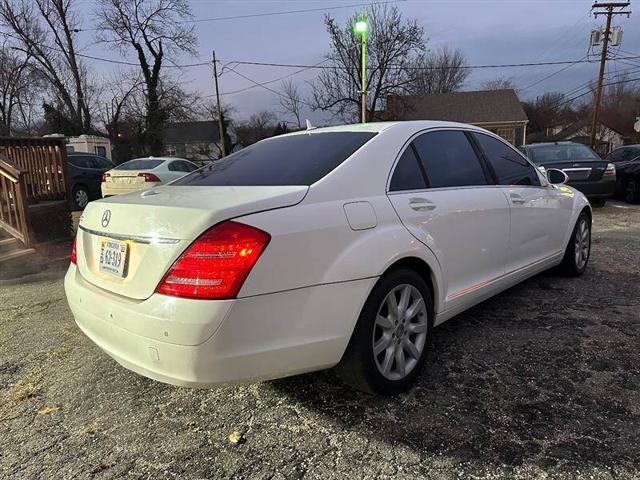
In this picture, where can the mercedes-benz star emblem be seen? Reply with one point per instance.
(106, 218)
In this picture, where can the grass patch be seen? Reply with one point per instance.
(22, 392)
(48, 410)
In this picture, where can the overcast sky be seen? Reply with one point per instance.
(487, 31)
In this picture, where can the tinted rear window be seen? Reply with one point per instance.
(561, 153)
(289, 160)
(139, 164)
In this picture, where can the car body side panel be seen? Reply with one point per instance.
(313, 244)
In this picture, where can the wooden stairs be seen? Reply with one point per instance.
(12, 248)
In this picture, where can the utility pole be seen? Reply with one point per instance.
(220, 117)
(608, 10)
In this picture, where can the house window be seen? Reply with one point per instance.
(507, 133)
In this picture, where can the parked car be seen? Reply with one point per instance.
(627, 162)
(587, 172)
(85, 172)
(144, 173)
(341, 245)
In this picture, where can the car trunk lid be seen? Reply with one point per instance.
(154, 227)
(580, 170)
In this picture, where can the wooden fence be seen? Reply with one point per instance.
(32, 170)
(44, 162)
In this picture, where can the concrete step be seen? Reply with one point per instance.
(12, 248)
(9, 245)
(6, 257)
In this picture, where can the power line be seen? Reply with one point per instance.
(468, 67)
(566, 67)
(263, 85)
(268, 81)
(108, 60)
(272, 14)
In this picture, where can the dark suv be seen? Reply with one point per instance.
(627, 162)
(85, 173)
(587, 172)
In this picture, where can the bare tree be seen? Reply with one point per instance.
(209, 111)
(291, 101)
(260, 126)
(45, 31)
(157, 32)
(548, 110)
(392, 45)
(500, 83)
(442, 71)
(17, 81)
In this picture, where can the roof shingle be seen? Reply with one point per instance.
(487, 106)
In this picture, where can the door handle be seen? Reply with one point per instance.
(517, 199)
(420, 204)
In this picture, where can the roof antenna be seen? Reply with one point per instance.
(309, 126)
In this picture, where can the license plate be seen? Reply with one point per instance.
(113, 257)
(122, 179)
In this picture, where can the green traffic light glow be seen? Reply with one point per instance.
(361, 26)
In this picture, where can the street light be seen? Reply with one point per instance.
(361, 28)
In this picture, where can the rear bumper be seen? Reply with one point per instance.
(601, 189)
(252, 338)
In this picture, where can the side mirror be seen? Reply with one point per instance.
(556, 177)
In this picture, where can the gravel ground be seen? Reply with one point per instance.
(542, 381)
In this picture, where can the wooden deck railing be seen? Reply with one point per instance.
(14, 211)
(43, 161)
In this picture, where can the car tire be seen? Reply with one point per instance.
(387, 350)
(80, 197)
(632, 191)
(576, 256)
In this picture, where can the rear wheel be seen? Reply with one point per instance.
(632, 191)
(578, 250)
(80, 197)
(389, 344)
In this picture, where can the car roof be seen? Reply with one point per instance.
(377, 127)
(546, 144)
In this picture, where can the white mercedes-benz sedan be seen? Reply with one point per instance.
(143, 173)
(333, 246)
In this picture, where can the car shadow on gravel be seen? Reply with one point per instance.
(537, 375)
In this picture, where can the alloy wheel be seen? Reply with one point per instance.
(81, 198)
(582, 244)
(400, 332)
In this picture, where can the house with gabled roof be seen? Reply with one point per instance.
(499, 111)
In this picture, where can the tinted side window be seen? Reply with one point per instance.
(81, 162)
(630, 154)
(103, 163)
(616, 156)
(449, 160)
(186, 167)
(173, 167)
(509, 167)
(407, 174)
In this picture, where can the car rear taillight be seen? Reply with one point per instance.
(149, 177)
(74, 255)
(105, 176)
(610, 171)
(216, 265)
